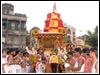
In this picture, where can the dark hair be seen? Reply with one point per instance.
(43, 59)
(9, 51)
(17, 52)
(71, 53)
(78, 50)
(95, 50)
(3, 50)
(25, 53)
(86, 50)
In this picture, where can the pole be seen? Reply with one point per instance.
(20, 34)
(30, 38)
(7, 34)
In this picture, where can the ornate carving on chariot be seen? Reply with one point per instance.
(35, 31)
(63, 31)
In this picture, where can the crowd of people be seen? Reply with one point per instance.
(36, 61)
(59, 60)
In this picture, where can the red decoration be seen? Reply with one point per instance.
(47, 22)
(49, 15)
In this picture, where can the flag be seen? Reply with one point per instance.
(54, 7)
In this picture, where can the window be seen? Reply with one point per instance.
(16, 26)
(73, 33)
(73, 39)
(22, 26)
(7, 11)
(9, 25)
(69, 31)
(4, 25)
(13, 26)
(69, 37)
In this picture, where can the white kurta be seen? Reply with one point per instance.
(4, 60)
(82, 67)
(18, 68)
(38, 67)
(11, 69)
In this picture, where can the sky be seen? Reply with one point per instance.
(82, 15)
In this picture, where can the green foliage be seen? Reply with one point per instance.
(67, 40)
(92, 38)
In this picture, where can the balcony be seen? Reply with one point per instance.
(4, 31)
(14, 17)
(14, 32)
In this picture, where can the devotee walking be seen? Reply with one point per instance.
(48, 67)
(79, 64)
(53, 62)
(70, 61)
(86, 52)
(4, 62)
(38, 64)
(94, 60)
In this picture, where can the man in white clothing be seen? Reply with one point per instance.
(17, 66)
(4, 62)
(38, 65)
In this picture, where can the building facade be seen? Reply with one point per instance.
(13, 27)
(71, 34)
(28, 39)
(80, 42)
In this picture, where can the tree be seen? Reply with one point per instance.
(92, 38)
(67, 40)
